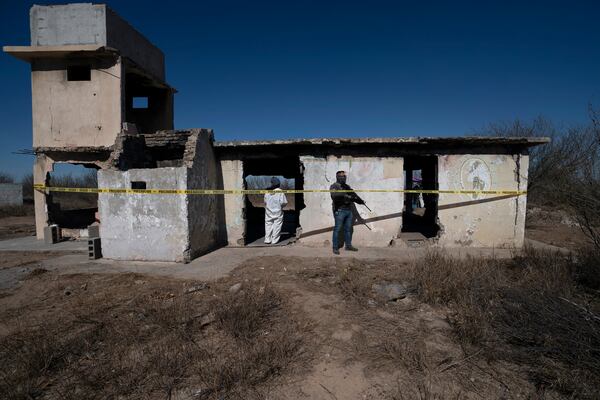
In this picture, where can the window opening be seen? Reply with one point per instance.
(138, 185)
(79, 73)
(140, 102)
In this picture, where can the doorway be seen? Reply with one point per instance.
(257, 176)
(420, 211)
(72, 210)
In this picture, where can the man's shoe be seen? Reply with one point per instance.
(351, 248)
(336, 251)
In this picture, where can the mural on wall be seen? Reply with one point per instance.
(475, 174)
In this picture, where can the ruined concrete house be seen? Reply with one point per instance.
(89, 68)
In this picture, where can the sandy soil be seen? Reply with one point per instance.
(359, 347)
(11, 259)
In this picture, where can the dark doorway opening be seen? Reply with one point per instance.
(420, 210)
(72, 210)
(257, 175)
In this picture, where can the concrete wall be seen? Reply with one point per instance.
(75, 113)
(144, 226)
(78, 23)
(206, 214)
(11, 194)
(476, 220)
(133, 45)
(86, 23)
(233, 178)
(377, 228)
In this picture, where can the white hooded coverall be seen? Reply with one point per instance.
(274, 203)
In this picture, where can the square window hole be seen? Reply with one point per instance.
(140, 102)
(138, 185)
(79, 73)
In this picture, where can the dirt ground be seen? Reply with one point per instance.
(324, 335)
(12, 259)
(13, 227)
(554, 227)
(351, 349)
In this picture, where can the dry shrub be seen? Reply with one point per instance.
(556, 339)
(441, 279)
(525, 310)
(587, 269)
(154, 346)
(541, 271)
(6, 178)
(355, 284)
(244, 314)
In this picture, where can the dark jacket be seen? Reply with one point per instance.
(343, 200)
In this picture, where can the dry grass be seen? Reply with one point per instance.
(154, 345)
(539, 310)
(354, 284)
(531, 310)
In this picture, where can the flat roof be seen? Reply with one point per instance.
(28, 53)
(454, 141)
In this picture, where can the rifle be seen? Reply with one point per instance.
(346, 187)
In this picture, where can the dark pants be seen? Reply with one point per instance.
(343, 219)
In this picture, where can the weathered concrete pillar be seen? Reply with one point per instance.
(233, 178)
(42, 166)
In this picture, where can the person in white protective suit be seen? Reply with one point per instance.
(274, 203)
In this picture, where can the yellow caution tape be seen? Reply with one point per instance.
(263, 191)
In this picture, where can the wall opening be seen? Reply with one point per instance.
(139, 102)
(420, 210)
(79, 73)
(72, 210)
(148, 105)
(138, 185)
(257, 175)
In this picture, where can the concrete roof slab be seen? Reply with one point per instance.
(457, 140)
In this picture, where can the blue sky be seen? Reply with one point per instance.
(263, 70)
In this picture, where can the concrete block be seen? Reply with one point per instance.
(94, 248)
(93, 231)
(52, 234)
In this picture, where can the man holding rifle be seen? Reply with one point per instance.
(342, 211)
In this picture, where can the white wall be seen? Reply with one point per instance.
(316, 219)
(482, 220)
(149, 227)
(75, 113)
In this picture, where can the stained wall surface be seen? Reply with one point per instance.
(68, 24)
(141, 226)
(482, 220)
(206, 213)
(233, 178)
(86, 23)
(377, 228)
(75, 113)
